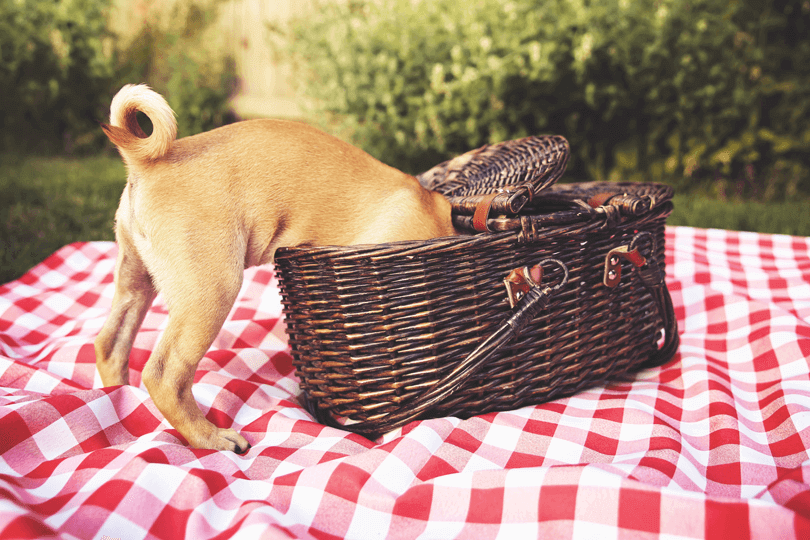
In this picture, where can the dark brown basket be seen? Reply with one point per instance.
(385, 334)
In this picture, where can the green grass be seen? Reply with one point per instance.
(698, 210)
(46, 203)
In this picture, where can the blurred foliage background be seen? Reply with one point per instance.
(711, 96)
(61, 63)
(685, 91)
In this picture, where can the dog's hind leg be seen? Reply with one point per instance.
(134, 293)
(196, 315)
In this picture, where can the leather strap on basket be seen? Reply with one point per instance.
(600, 198)
(482, 213)
(526, 310)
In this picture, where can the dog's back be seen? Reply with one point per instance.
(285, 182)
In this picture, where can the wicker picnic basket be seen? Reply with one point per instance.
(557, 288)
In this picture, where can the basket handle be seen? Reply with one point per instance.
(523, 313)
(652, 278)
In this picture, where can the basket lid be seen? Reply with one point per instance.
(509, 173)
(498, 187)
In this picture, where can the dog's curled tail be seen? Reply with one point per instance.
(136, 146)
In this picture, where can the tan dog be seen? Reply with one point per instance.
(197, 211)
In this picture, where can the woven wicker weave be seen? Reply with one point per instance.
(384, 334)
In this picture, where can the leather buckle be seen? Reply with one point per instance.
(520, 281)
(613, 263)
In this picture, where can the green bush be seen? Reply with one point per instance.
(60, 66)
(52, 72)
(653, 89)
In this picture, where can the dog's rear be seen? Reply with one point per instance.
(197, 211)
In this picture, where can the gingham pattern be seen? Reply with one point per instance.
(713, 445)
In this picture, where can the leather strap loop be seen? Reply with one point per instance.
(600, 199)
(482, 213)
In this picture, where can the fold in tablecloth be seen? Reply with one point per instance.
(712, 445)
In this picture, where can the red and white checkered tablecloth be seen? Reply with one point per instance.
(712, 445)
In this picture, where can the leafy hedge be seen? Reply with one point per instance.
(60, 66)
(52, 71)
(653, 89)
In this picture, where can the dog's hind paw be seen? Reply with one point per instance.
(233, 441)
(224, 439)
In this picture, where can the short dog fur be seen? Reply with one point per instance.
(199, 210)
